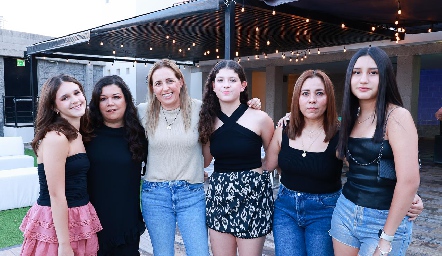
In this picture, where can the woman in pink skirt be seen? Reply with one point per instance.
(62, 222)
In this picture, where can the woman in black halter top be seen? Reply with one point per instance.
(239, 198)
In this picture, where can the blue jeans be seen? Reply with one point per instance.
(166, 204)
(301, 223)
(358, 227)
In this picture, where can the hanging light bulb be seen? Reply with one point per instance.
(277, 51)
(173, 41)
(145, 64)
(184, 66)
(290, 59)
(307, 20)
(167, 37)
(188, 48)
(242, 9)
(268, 42)
(113, 52)
(265, 55)
(296, 59)
(150, 48)
(373, 28)
(89, 63)
(216, 50)
(101, 43)
(248, 58)
(236, 53)
(309, 52)
(121, 45)
(343, 25)
(180, 50)
(345, 49)
(399, 11)
(257, 29)
(273, 12)
(319, 52)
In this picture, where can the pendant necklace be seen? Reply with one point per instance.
(304, 150)
(169, 126)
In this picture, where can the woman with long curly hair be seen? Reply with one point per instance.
(63, 221)
(116, 152)
(240, 197)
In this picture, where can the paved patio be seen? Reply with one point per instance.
(427, 231)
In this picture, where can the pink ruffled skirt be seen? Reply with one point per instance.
(40, 237)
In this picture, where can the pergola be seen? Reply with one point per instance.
(201, 30)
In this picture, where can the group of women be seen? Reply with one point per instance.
(90, 165)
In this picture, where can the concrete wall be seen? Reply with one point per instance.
(86, 74)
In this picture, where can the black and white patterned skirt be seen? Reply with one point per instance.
(240, 203)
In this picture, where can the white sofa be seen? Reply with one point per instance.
(19, 185)
(12, 154)
(18, 188)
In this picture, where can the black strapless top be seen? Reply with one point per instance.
(363, 186)
(76, 169)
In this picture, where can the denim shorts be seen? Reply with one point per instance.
(358, 227)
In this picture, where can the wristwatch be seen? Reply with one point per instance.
(384, 236)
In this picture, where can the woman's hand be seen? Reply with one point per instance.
(254, 103)
(283, 120)
(416, 208)
(65, 249)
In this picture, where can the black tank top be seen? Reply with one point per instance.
(363, 186)
(75, 184)
(234, 147)
(316, 173)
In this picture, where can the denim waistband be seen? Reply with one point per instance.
(284, 190)
(170, 183)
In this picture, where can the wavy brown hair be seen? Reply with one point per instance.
(211, 106)
(154, 106)
(48, 120)
(297, 122)
(134, 131)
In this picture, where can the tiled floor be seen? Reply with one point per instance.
(427, 231)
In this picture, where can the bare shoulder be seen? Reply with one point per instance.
(400, 120)
(54, 137)
(260, 115)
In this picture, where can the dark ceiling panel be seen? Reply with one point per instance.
(200, 35)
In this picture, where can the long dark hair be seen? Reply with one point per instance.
(48, 120)
(211, 107)
(388, 93)
(297, 122)
(134, 131)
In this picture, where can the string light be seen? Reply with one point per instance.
(179, 50)
(308, 52)
(248, 58)
(188, 48)
(268, 42)
(397, 21)
(430, 29)
(145, 64)
(121, 45)
(101, 43)
(296, 59)
(198, 65)
(242, 9)
(173, 41)
(343, 25)
(319, 52)
(276, 51)
(113, 52)
(345, 49)
(273, 12)
(216, 50)
(373, 28)
(193, 44)
(239, 59)
(257, 28)
(150, 48)
(89, 63)
(307, 20)
(265, 55)
(217, 56)
(236, 53)
(290, 59)
(399, 11)
(167, 37)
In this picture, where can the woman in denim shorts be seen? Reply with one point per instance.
(379, 140)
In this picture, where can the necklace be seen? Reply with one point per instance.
(370, 116)
(313, 132)
(169, 126)
(304, 154)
